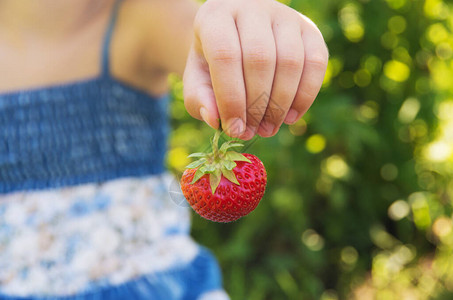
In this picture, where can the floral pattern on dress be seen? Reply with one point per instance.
(69, 240)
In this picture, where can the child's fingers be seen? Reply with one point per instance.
(218, 40)
(258, 61)
(199, 97)
(315, 64)
(290, 62)
(240, 57)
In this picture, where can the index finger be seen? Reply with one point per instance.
(218, 41)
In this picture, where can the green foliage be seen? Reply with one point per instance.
(358, 203)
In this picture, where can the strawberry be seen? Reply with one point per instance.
(224, 185)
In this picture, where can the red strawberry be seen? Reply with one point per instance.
(224, 185)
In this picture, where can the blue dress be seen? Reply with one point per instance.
(85, 209)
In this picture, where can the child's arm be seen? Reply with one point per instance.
(169, 26)
(242, 52)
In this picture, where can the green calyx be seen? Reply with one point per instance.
(217, 163)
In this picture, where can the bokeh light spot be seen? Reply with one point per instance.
(396, 4)
(329, 295)
(381, 238)
(444, 110)
(441, 74)
(312, 240)
(334, 67)
(397, 24)
(444, 51)
(362, 77)
(349, 255)
(420, 210)
(286, 200)
(324, 184)
(389, 40)
(336, 166)
(315, 143)
(351, 23)
(436, 9)
(177, 158)
(409, 110)
(442, 226)
(373, 64)
(396, 71)
(438, 151)
(401, 54)
(419, 128)
(398, 210)
(368, 111)
(437, 33)
(389, 172)
(298, 128)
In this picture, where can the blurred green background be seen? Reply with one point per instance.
(359, 198)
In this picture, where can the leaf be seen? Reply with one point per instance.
(209, 168)
(204, 169)
(214, 180)
(236, 156)
(197, 154)
(229, 145)
(229, 174)
(236, 145)
(196, 163)
(198, 174)
(228, 164)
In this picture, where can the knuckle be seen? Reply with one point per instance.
(285, 94)
(259, 56)
(319, 60)
(292, 61)
(231, 101)
(226, 55)
(309, 92)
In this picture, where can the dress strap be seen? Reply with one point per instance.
(107, 39)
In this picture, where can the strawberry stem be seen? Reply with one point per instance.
(215, 142)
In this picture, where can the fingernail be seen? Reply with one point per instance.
(266, 129)
(204, 114)
(248, 134)
(291, 117)
(235, 127)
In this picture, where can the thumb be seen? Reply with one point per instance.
(199, 98)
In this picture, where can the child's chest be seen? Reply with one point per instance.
(33, 62)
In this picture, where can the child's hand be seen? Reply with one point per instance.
(243, 52)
